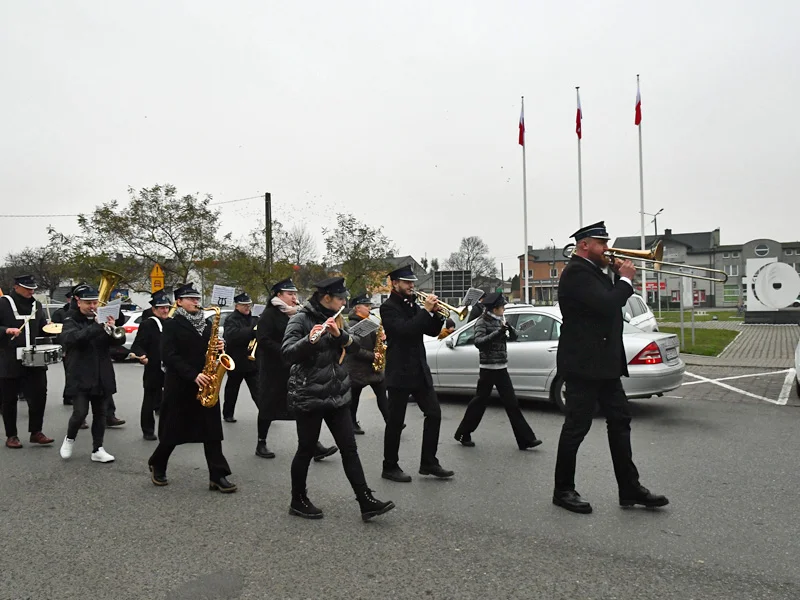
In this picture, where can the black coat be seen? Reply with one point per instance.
(58, 315)
(359, 364)
(148, 343)
(476, 311)
(590, 345)
(239, 330)
(89, 368)
(405, 323)
(273, 370)
(183, 420)
(490, 340)
(10, 367)
(316, 379)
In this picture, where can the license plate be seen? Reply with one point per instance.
(672, 353)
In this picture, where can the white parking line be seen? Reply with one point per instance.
(740, 376)
(783, 397)
(744, 392)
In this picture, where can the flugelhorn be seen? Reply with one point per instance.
(445, 309)
(655, 256)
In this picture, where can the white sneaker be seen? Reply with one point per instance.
(102, 456)
(66, 448)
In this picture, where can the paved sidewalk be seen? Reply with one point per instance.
(733, 325)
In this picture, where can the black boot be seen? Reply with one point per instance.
(371, 506)
(158, 477)
(465, 439)
(301, 506)
(263, 451)
(223, 485)
(323, 452)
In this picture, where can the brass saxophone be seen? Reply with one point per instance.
(379, 362)
(216, 364)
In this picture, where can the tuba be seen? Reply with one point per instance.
(216, 364)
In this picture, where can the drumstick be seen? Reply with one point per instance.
(20, 330)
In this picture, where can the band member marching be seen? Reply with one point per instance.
(407, 373)
(146, 348)
(273, 370)
(319, 390)
(239, 332)
(360, 364)
(21, 321)
(183, 419)
(90, 373)
(591, 359)
(490, 339)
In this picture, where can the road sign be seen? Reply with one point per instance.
(156, 278)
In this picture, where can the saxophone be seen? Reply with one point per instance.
(379, 362)
(216, 364)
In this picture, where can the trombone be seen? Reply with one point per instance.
(444, 308)
(655, 255)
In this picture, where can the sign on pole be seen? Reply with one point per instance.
(156, 279)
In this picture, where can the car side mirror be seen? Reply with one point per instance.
(450, 342)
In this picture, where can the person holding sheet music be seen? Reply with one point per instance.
(359, 364)
(147, 350)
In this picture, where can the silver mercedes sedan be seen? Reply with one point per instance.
(654, 361)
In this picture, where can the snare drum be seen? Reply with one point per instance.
(41, 356)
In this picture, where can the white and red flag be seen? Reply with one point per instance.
(638, 118)
(522, 126)
(578, 117)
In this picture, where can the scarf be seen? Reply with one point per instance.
(197, 319)
(284, 308)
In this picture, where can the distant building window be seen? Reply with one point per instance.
(726, 255)
(762, 250)
(735, 254)
(731, 293)
(732, 270)
(554, 272)
(789, 251)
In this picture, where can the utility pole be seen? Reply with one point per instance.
(268, 231)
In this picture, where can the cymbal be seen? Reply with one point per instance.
(53, 328)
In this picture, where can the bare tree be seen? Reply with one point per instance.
(301, 247)
(472, 255)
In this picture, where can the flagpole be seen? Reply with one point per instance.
(641, 193)
(525, 204)
(580, 172)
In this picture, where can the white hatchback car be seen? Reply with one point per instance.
(638, 314)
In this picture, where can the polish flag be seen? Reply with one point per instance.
(578, 117)
(522, 126)
(638, 118)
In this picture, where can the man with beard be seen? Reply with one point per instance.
(273, 371)
(407, 373)
(21, 321)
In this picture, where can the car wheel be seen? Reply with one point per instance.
(557, 394)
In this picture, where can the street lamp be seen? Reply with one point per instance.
(658, 275)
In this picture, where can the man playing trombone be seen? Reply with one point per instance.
(407, 373)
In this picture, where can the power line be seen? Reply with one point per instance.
(76, 215)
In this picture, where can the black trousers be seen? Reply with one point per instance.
(499, 378)
(151, 402)
(582, 395)
(232, 386)
(217, 464)
(380, 396)
(429, 405)
(80, 408)
(340, 423)
(33, 384)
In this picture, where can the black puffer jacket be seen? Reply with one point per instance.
(490, 339)
(317, 380)
(359, 364)
(89, 369)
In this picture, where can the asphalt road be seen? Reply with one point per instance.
(727, 461)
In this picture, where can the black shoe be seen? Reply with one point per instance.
(263, 451)
(396, 474)
(465, 439)
(642, 496)
(301, 506)
(323, 452)
(114, 422)
(371, 506)
(230, 420)
(150, 437)
(571, 500)
(223, 485)
(357, 428)
(158, 477)
(436, 471)
(532, 444)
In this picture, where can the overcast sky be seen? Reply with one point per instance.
(405, 114)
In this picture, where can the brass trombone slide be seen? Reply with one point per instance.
(655, 255)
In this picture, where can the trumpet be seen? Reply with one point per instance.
(445, 309)
(655, 255)
(252, 346)
(117, 333)
(319, 333)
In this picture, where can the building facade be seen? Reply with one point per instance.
(544, 270)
